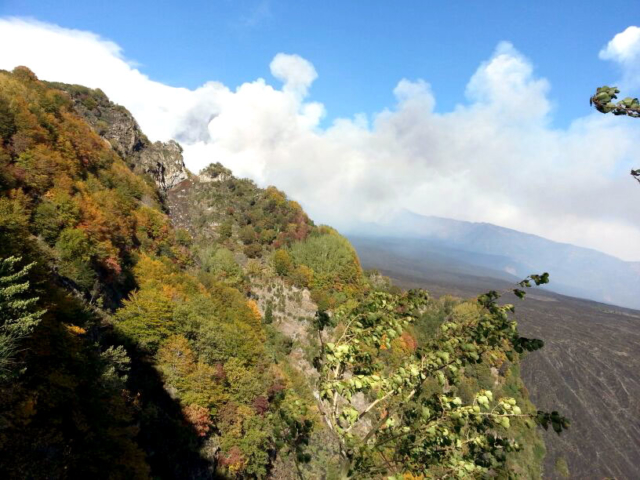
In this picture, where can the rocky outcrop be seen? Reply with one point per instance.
(215, 173)
(163, 162)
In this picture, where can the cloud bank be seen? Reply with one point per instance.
(624, 49)
(494, 158)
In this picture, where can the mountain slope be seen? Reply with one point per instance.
(575, 271)
(152, 357)
(179, 331)
(71, 206)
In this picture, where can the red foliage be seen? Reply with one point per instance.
(227, 415)
(261, 405)
(409, 342)
(275, 388)
(112, 265)
(219, 373)
(199, 418)
(233, 459)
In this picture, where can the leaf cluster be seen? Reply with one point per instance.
(602, 100)
(409, 421)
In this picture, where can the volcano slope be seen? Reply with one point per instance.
(589, 368)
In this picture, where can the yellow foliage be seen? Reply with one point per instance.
(466, 312)
(254, 268)
(175, 357)
(150, 269)
(275, 195)
(255, 311)
(76, 330)
(151, 272)
(411, 476)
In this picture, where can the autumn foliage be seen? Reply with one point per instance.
(148, 351)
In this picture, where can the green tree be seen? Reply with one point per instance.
(330, 256)
(75, 252)
(412, 421)
(222, 264)
(282, 262)
(247, 234)
(146, 318)
(603, 99)
(268, 313)
(18, 315)
(225, 230)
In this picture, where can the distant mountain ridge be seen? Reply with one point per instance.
(489, 250)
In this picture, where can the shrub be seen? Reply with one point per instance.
(282, 262)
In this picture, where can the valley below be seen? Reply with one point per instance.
(589, 368)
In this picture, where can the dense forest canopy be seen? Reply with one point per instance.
(154, 329)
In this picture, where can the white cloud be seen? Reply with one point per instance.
(295, 72)
(505, 85)
(624, 48)
(494, 158)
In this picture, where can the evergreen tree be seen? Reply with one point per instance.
(268, 314)
(18, 317)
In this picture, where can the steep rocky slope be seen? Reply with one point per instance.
(163, 162)
(151, 358)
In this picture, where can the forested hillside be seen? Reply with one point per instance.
(161, 324)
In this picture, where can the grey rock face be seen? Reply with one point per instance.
(116, 125)
(163, 162)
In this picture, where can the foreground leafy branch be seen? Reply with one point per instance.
(603, 102)
(383, 417)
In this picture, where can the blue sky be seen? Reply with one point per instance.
(360, 49)
(471, 110)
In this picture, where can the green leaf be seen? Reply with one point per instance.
(519, 293)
